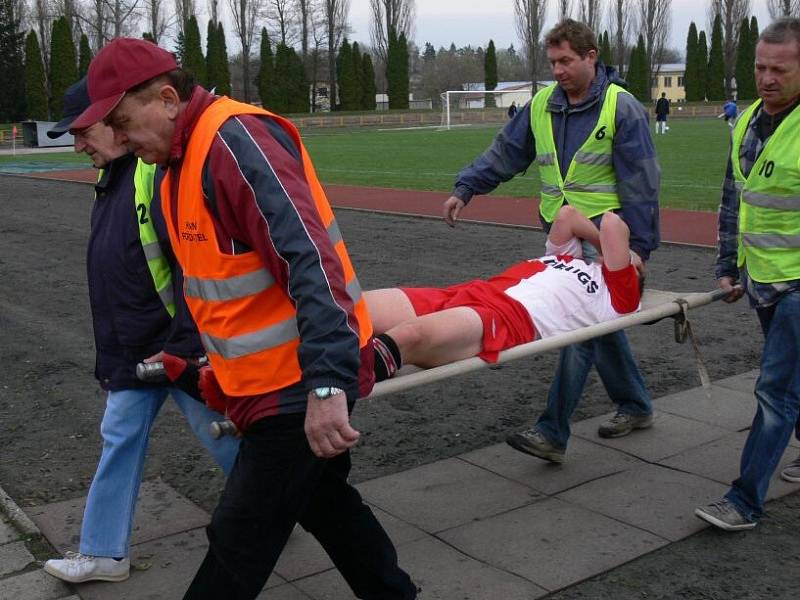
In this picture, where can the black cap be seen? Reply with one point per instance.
(76, 100)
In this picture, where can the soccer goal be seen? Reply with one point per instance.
(466, 100)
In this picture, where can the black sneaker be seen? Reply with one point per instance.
(622, 424)
(725, 515)
(531, 441)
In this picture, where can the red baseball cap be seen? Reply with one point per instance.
(121, 65)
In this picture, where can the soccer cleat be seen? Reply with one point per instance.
(725, 515)
(792, 471)
(77, 568)
(622, 424)
(531, 441)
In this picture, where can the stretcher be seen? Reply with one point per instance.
(656, 305)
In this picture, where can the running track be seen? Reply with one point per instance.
(677, 226)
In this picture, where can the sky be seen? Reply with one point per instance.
(475, 22)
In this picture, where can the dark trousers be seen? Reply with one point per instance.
(277, 482)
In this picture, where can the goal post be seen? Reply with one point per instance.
(475, 100)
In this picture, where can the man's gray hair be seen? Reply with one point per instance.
(782, 31)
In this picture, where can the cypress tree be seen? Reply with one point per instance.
(638, 77)
(344, 76)
(212, 56)
(84, 56)
(298, 88)
(367, 83)
(12, 93)
(690, 81)
(35, 85)
(192, 59)
(716, 64)
(266, 72)
(402, 71)
(605, 49)
(745, 59)
(490, 73)
(392, 69)
(63, 65)
(753, 33)
(146, 35)
(223, 67)
(355, 75)
(702, 66)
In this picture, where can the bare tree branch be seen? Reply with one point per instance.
(783, 8)
(591, 12)
(655, 21)
(336, 13)
(529, 20)
(157, 21)
(245, 14)
(390, 14)
(619, 30)
(184, 9)
(283, 21)
(564, 9)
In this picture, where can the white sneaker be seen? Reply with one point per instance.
(77, 568)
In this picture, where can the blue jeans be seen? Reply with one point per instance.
(618, 371)
(778, 393)
(128, 418)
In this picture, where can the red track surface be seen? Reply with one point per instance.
(679, 226)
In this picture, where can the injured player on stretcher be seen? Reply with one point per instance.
(532, 299)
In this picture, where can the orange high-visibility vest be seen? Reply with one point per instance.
(247, 322)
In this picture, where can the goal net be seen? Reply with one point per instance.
(466, 100)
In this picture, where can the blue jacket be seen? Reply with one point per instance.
(634, 156)
(130, 321)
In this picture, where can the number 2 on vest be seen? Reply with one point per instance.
(142, 208)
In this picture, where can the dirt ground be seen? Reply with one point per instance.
(50, 406)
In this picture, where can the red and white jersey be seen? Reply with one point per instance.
(561, 292)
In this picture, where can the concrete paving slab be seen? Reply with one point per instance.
(727, 408)
(552, 543)
(287, 591)
(160, 512)
(654, 498)
(669, 435)
(742, 383)
(33, 585)
(442, 572)
(585, 461)
(14, 557)
(163, 570)
(8, 533)
(445, 494)
(719, 460)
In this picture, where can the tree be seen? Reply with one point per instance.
(564, 9)
(367, 83)
(281, 17)
(387, 15)
(223, 65)
(620, 31)
(212, 56)
(638, 76)
(298, 95)
(266, 73)
(291, 93)
(605, 49)
(715, 87)
(731, 13)
(654, 23)
(402, 73)
(691, 82)
(490, 73)
(783, 8)
(192, 58)
(157, 21)
(245, 14)
(63, 65)
(335, 12)
(12, 93)
(745, 61)
(702, 65)
(84, 56)
(753, 34)
(35, 84)
(356, 93)
(344, 76)
(590, 13)
(529, 20)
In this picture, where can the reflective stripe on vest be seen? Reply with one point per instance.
(769, 201)
(160, 272)
(248, 324)
(590, 183)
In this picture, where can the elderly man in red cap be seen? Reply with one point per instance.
(279, 309)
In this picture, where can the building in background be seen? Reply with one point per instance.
(669, 80)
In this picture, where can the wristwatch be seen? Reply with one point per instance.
(323, 393)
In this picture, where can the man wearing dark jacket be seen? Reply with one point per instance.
(662, 110)
(591, 142)
(133, 293)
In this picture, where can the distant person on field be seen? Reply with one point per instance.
(759, 253)
(512, 110)
(729, 112)
(591, 141)
(662, 110)
(138, 314)
(532, 299)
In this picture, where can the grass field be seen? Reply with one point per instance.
(692, 155)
